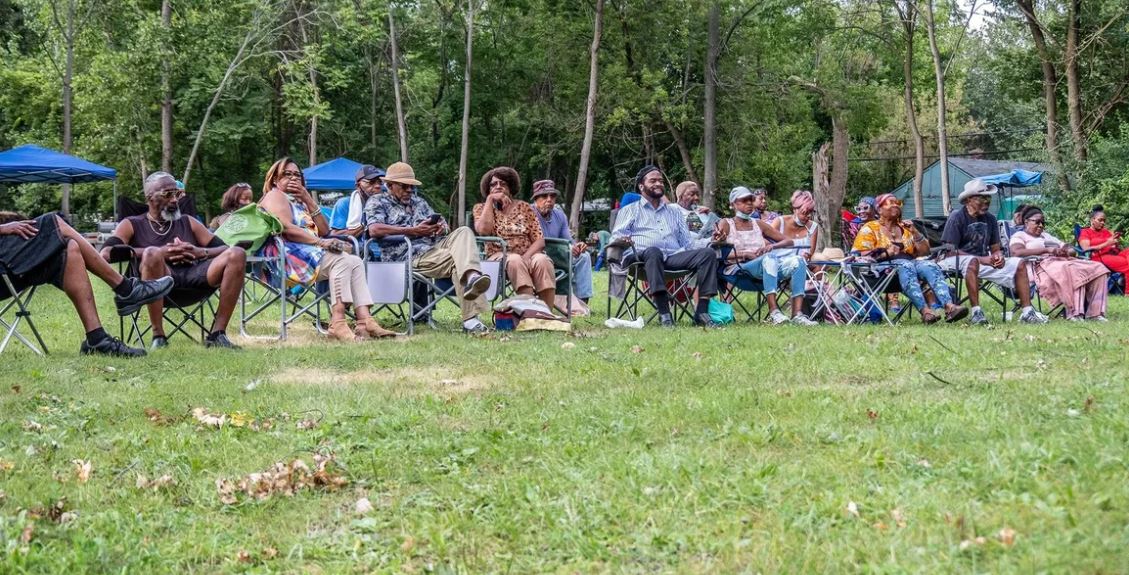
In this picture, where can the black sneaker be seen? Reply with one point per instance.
(111, 346)
(143, 293)
(220, 340)
(159, 341)
(476, 285)
(666, 320)
(704, 320)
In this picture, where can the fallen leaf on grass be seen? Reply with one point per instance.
(32, 426)
(270, 553)
(924, 463)
(6, 465)
(363, 506)
(1006, 536)
(898, 517)
(68, 516)
(27, 533)
(697, 355)
(408, 544)
(54, 512)
(968, 543)
(161, 482)
(853, 508)
(871, 415)
(283, 479)
(154, 415)
(568, 345)
(251, 386)
(82, 469)
(306, 424)
(1089, 405)
(16, 389)
(637, 349)
(209, 419)
(243, 556)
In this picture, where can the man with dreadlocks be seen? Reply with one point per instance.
(661, 240)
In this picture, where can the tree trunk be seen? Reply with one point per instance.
(1050, 82)
(461, 216)
(713, 47)
(1073, 88)
(942, 135)
(589, 120)
(821, 184)
(401, 124)
(837, 186)
(683, 150)
(68, 97)
(312, 142)
(909, 27)
(166, 87)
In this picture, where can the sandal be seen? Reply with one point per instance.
(928, 317)
(956, 313)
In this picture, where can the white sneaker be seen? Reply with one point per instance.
(1076, 318)
(614, 322)
(801, 319)
(1032, 316)
(777, 318)
(1099, 319)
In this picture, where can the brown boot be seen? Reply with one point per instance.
(373, 329)
(339, 330)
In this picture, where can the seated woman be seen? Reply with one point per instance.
(313, 257)
(1079, 285)
(527, 267)
(864, 212)
(46, 250)
(234, 198)
(752, 253)
(799, 226)
(1099, 238)
(889, 239)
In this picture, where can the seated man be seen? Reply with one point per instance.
(168, 244)
(436, 251)
(47, 250)
(974, 235)
(554, 224)
(349, 212)
(661, 240)
(699, 219)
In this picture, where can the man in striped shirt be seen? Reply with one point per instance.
(661, 240)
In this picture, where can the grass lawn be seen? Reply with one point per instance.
(748, 449)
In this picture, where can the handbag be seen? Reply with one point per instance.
(721, 312)
(249, 224)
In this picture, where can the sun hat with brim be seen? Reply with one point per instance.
(369, 172)
(738, 193)
(544, 188)
(401, 173)
(976, 187)
(829, 255)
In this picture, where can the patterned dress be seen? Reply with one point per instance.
(302, 260)
(518, 226)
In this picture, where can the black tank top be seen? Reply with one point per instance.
(145, 232)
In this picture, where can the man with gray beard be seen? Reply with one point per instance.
(166, 243)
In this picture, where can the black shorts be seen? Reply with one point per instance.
(191, 277)
(36, 261)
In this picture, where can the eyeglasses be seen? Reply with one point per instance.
(291, 174)
(167, 194)
(1038, 222)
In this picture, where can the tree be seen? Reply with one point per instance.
(942, 135)
(589, 119)
(461, 215)
(166, 87)
(907, 16)
(401, 125)
(714, 46)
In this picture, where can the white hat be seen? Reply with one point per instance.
(976, 187)
(738, 193)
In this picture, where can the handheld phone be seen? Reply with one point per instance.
(433, 219)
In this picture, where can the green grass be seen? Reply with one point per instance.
(736, 450)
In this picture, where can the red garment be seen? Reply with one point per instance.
(1112, 257)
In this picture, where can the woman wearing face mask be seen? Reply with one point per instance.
(313, 257)
(890, 239)
(1104, 242)
(750, 238)
(1079, 285)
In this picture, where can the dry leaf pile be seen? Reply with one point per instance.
(238, 419)
(283, 479)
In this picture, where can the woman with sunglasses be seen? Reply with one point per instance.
(1079, 285)
(312, 257)
(891, 239)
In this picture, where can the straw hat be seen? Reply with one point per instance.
(976, 187)
(401, 173)
(830, 255)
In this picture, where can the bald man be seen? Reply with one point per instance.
(167, 243)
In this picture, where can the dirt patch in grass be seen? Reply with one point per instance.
(407, 381)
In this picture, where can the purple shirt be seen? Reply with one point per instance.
(556, 226)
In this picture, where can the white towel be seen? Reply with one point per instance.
(356, 211)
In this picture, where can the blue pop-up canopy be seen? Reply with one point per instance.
(1016, 178)
(338, 174)
(30, 163)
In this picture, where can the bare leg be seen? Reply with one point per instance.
(153, 267)
(797, 305)
(76, 284)
(770, 299)
(549, 296)
(972, 282)
(92, 260)
(226, 272)
(1022, 285)
(337, 312)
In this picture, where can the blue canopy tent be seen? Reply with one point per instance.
(33, 164)
(337, 174)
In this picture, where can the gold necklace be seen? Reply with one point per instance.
(154, 228)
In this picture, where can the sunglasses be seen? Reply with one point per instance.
(169, 193)
(291, 174)
(1038, 222)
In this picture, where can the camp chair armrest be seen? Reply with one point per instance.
(120, 254)
(371, 243)
(557, 242)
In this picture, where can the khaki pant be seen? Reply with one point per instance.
(450, 259)
(346, 275)
(537, 273)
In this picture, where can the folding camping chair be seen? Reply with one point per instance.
(390, 283)
(440, 289)
(1004, 297)
(14, 311)
(679, 287)
(732, 286)
(183, 309)
(306, 300)
(1116, 279)
(856, 290)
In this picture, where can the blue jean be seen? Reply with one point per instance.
(582, 276)
(910, 275)
(765, 268)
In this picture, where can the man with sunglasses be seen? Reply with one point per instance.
(165, 243)
(349, 212)
(972, 238)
